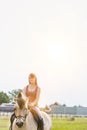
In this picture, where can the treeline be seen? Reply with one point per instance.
(8, 97)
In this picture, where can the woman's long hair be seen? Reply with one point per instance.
(32, 75)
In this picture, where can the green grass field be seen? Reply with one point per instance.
(57, 124)
(63, 124)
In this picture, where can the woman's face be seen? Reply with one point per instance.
(32, 80)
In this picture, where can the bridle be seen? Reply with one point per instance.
(21, 117)
(20, 102)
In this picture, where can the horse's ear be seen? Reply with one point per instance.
(19, 95)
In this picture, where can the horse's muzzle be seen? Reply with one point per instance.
(19, 124)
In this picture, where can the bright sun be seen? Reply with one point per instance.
(60, 58)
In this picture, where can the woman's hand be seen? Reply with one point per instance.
(32, 104)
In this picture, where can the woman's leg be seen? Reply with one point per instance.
(38, 112)
(40, 119)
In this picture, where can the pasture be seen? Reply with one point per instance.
(57, 123)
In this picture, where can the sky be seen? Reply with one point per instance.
(48, 38)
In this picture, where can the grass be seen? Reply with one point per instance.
(64, 124)
(4, 123)
(57, 124)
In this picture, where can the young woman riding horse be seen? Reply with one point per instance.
(32, 91)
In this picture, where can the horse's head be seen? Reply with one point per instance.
(21, 109)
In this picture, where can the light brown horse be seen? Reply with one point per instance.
(24, 119)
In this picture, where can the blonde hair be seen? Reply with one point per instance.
(32, 75)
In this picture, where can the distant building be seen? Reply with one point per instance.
(63, 109)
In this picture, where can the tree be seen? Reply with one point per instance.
(4, 98)
(14, 93)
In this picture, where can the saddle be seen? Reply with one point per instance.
(39, 121)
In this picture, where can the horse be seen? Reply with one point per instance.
(24, 118)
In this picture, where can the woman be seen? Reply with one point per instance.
(32, 91)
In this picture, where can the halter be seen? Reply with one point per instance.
(20, 102)
(23, 117)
